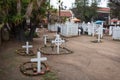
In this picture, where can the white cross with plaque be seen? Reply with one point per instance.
(58, 41)
(45, 39)
(39, 59)
(27, 46)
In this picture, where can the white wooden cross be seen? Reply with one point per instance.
(93, 29)
(27, 46)
(79, 32)
(58, 41)
(39, 59)
(100, 33)
(45, 39)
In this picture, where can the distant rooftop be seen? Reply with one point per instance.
(103, 10)
(65, 13)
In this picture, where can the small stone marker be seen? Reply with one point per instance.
(27, 46)
(39, 59)
(45, 39)
(58, 41)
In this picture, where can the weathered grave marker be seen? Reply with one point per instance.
(27, 46)
(39, 59)
(79, 32)
(45, 39)
(58, 41)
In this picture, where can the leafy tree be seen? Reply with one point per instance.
(84, 10)
(114, 9)
(15, 12)
(53, 17)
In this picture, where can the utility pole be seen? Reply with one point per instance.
(48, 12)
(84, 9)
(59, 2)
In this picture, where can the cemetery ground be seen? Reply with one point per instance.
(90, 61)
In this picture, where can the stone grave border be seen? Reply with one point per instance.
(50, 39)
(22, 52)
(117, 40)
(96, 41)
(70, 52)
(23, 69)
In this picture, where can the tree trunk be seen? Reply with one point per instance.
(19, 6)
(0, 37)
(28, 14)
(20, 32)
(5, 33)
(32, 32)
(29, 9)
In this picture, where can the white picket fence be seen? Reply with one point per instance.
(53, 27)
(116, 33)
(90, 28)
(71, 29)
(68, 29)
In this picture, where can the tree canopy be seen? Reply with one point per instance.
(84, 10)
(15, 12)
(115, 8)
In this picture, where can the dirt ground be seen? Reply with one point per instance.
(90, 61)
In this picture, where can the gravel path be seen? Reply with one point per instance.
(90, 61)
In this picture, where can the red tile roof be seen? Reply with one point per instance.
(104, 10)
(65, 13)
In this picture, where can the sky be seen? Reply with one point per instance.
(68, 3)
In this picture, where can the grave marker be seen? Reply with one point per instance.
(79, 32)
(39, 59)
(45, 39)
(27, 46)
(100, 33)
(58, 41)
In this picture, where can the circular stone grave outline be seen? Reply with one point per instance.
(49, 52)
(96, 41)
(50, 39)
(22, 52)
(24, 70)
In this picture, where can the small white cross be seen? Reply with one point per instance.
(58, 41)
(39, 59)
(79, 31)
(100, 31)
(45, 39)
(93, 29)
(27, 46)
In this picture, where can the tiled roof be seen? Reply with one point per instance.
(104, 10)
(65, 13)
